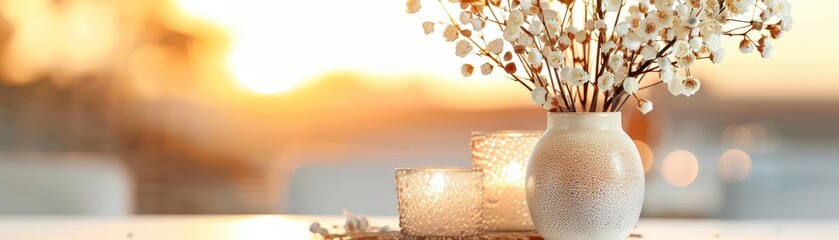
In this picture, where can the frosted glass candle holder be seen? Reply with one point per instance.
(502, 155)
(439, 202)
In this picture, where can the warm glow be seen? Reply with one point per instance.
(513, 173)
(438, 182)
(647, 157)
(680, 168)
(734, 165)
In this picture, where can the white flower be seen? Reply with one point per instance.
(515, 19)
(746, 46)
(713, 42)
(590, 25)
(314, 228)
(622, 28)
(580, 36)
(486, 68)
(478, 24)
(645, 106)
(450, 33)
(413, 6)
(664, 4)
(666, 75)
(512, 33)
(536, 27)
(615, 60)
(620, 75)
(780, 8)
(556, 59)
(564, 40)
(428, 27)
(695, 42)
(496, 46)
(681, 48)
(738, 7)
(600, 24)
(676, 87)
(612, 5)
(576, 76)
(552, 26)
(524, 40)
(630, 85)
(665, 63)
(786, 24)
(632, 41)
(683, 10)
(691, 85)
(463, 48)
(648, 29)
(649, 53)
(691, 22)
(467, 70)
(539, 95)
(710, 27)
(465, 17)
(534, 58)
(718, 56)
(605, 81)
(608, 47)
(663, 17)
(548, 105)
(766, 51)
(686, 61)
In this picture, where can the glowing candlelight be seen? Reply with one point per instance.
(439, 202)
(503, 157)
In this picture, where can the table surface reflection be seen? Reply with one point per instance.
(235, 227)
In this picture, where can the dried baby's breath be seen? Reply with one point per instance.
(599, 63)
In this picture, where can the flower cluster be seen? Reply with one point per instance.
(594, 55)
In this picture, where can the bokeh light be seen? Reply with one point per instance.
(735, 165)
(680, 168)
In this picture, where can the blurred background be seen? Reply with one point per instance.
(114, 107)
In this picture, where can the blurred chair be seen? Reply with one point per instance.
(63, 184)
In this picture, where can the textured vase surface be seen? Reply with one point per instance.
(584, 178)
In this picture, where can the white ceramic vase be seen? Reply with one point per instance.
(584, 178)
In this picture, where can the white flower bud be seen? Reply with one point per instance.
(630, 85)
(605, 81)
(746, 46)
(536, 27)
(462, 48)
(695, 42)
(645, 106)
(718, 56)
(691, 85)
(539, 95)
(465, 17)
(496, 46)
(632, 41)
(486, 69)
(450, 33)
(467, 70)
(786, 24)
(315, 227)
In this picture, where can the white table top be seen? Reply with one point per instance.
(274, 227)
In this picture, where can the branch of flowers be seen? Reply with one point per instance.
(483, 49)
(648, 62)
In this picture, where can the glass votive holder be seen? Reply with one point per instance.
(503, 155)
(440, 202)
